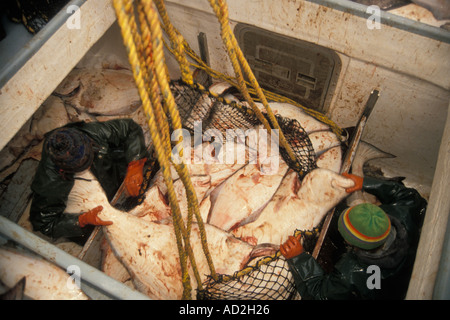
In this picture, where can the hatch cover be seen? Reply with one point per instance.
(299, 70)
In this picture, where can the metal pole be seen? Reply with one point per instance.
(89, 275)
(347, 163)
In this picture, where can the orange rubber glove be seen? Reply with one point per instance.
(91, 217)
(134, 177)
(358, 182)
(292, 247)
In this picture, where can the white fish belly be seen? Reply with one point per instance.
(44, 281)
(296, 206)
(244, 195)
(150, 254)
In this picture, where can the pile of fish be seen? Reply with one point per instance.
(87, 94)
(247, 213)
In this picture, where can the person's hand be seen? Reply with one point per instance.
(91, 217)
(358, 182)
(292, 247)
(134, 177)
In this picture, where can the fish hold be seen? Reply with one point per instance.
(44, 280)
(149, 252)
(296, 205)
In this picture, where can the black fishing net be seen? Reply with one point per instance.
(269, 279)
(214, 113)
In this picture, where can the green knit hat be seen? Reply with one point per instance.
(365, 226)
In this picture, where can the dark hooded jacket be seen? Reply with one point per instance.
(115, 144)
(382, 273)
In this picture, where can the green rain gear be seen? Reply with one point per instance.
(382, 273)
(115, 143)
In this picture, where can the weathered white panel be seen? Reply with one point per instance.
(407, 121)
(22, 95)
(390, 47)
(429, 252)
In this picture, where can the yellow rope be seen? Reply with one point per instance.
(122, 12)
(153, 87)
(200, 64)
(182, 170)
(266, 260)
(169, 102)
(144, 45)
(236, 56)
(150, 72)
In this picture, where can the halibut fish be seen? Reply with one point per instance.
(44, 280)
(296, 205)
(243, 196)
(149, 251)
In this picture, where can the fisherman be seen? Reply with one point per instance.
(113, 150)
(381, 244)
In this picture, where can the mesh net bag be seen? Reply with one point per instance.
(268, 277)
(195, 104)
(269, 280)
